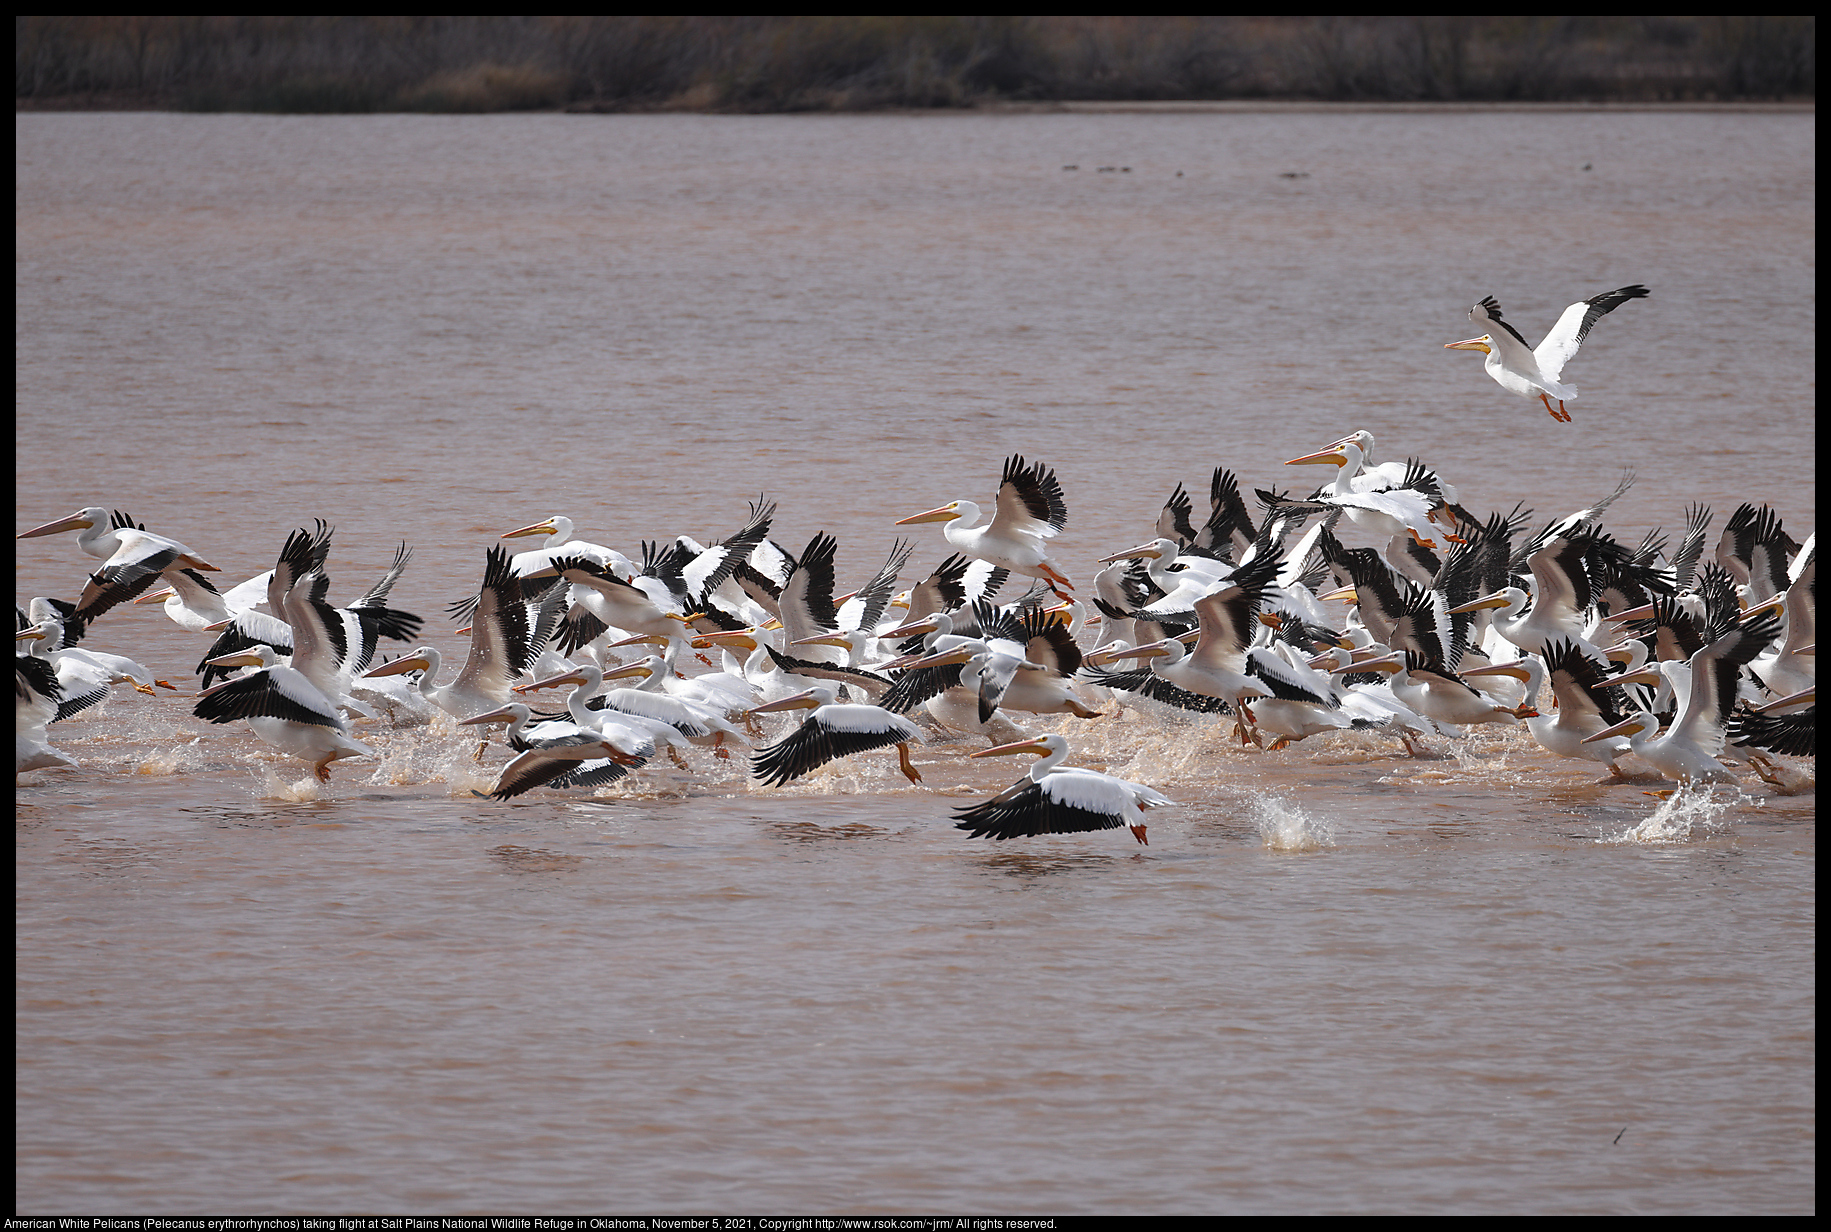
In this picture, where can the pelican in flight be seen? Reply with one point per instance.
(1533, 372)
(832, 731)
(502, 645)
(1691, 746)
(551, 739)
(38, 696)
(1030, 510)
(284, 708)
(134, 558)
(1058, 799)
(558, 765)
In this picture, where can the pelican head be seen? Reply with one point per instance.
(1391, 665)
(1499, 599)
(1631, 726)
(1040, 745)
(82, 519)
(946, 513)
(807, 699)
(1472, 344)
(1334, 455)
(743, 638)
(552, 526)
(258, 655)
(1156, 549)
(501, 714)
(419, 659)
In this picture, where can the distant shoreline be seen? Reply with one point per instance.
(764, 65)
(1195, 106)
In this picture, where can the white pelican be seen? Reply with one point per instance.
(716, 576)
(1779, 727)
(1182, 577)
(1371, 502)
(1218, 665)
(1391, 473)
(561, 543)
(559, 734)
(556, 765)
(1754, 549)
(1440, 694)
(1305, 702)
(956, 582)
(1057, 799)
(283, 707)
(501, 647)
(636, 735)
(86, 676)
(192, 601)
(645, 705)
(1561, 591)
(833, 730)
(726, 693)
(1030, 510)
(1793, 666)
(1534, 373)
(37, 697)
(133, 558)
(1690, 746)
(1583, 702)
(602, 602)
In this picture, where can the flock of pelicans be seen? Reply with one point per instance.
(1460, 619)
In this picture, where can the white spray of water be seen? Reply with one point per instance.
(1286, 827)
(1693, 808)
(275, 787)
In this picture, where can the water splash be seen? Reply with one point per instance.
(1284, 826)
(1691, 808)
(275, 787)
(168, 761)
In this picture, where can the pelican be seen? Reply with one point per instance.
(1056, 799)
(86, 676)
(1754, 549)
(602, 601)
(500, 648)
(1392, 473)
(1181, 577)
(1584, 706)
(1534, 373)
(1690, 746)
(553, 734)
(1562, 590)
(284, 708)
(831, 731)
(561, 543)
(1781, 726)
(1030, 510)
(645, 705)
(328, 644)
(133, 558)
(192, 601)
(1792, 666)
(38, 696)
(557, 765)
(634, 734)
(1218, 666)
(1371, 502)
(1440, 695)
